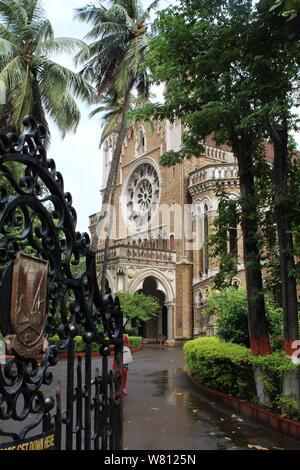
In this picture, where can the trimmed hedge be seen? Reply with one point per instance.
(228, 367)
(135, 342)
(78, 343)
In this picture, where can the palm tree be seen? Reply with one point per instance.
(120, 41)
(34, 83)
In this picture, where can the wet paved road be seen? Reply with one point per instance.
(164, 411)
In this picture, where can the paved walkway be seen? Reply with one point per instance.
(164, 411)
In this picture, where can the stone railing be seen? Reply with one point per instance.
(214, 173)
(138, 253)
(217, 153)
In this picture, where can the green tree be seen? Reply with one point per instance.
(198, 54)
(230, 307)
(138, 306)
(273, 63)
(120, 39)
(36, 85)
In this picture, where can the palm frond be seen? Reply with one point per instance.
(63, 45)
(61, 106)
(110, 127)
(43, 31)
(12, 73)
(133, 58)
(6, 34)
(77, 85)
(7, 50)
(22, 98)
(133, 8)
(153, 6)
(107, 29)
(12, 11)
(35, 10)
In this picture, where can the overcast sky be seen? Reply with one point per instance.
(78, 156)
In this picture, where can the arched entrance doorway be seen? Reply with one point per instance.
(158, 327)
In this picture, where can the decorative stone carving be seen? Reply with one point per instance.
(142, 196)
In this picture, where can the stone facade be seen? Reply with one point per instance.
(162, 219)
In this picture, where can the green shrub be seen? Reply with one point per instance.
(226, 367)
(135, 342)
(274, 367)
(230, 307)
(78, 343)
(131, 331)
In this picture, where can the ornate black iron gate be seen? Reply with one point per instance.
(49, 300)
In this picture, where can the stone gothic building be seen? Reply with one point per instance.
(163, 217)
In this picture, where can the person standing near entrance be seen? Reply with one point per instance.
(127, 359)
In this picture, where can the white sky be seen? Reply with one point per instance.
(78, 156)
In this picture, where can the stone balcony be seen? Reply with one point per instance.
(138, 255)
(218, 154)
(213, 176)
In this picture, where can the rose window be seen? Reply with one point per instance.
(142, 196)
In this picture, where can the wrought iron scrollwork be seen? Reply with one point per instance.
(37, 217)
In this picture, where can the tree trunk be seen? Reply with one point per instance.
(258, 332)
(110, 189)
(285, 241)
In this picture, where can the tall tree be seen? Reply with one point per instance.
(198, 54)
(274, 65)
(34, 83)
(120, 40)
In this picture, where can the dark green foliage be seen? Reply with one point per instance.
(79, 344)
(228, 368)
(274, 367)
(130, 330)
(138, 306)
(135, 341)
(35, 84)
(230, 306)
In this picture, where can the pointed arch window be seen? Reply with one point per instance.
(206, 233)
(141, 144)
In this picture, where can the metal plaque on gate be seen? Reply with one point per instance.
(28, 306)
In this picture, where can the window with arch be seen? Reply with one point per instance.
(174, 135)
(206, 234)
(141, 141)
(172, 243)
(233, 239)
(200, 299)
(108, 151)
